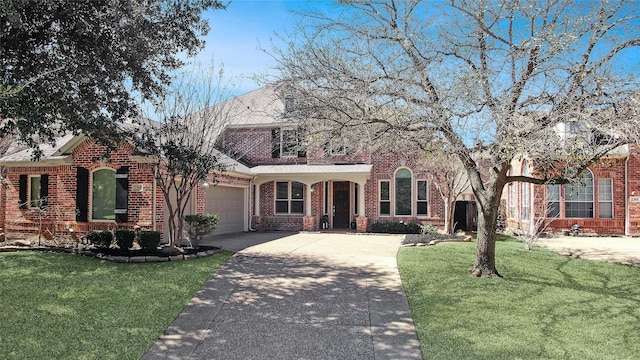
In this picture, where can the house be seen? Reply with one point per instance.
(74, 188)
(301, 185)
(605, 201)
(280, 181)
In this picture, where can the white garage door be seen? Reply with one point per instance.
(229, 203)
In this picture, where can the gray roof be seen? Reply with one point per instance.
(56, 152)
(260, 107)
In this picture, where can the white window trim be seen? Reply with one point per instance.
(390, 200)
(90, 205)
(612, 202)
(428, 200)
(393, 194)
(30, 201)
(593, 199)
(289, 199)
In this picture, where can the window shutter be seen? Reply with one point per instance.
(122, 194)
(82, 194)
(22, 190)
(302, 149)
(275, 143)
(44, 190)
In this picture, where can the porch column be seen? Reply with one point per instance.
(362, 222)
(309, 221)
(307, 204)
(361, 202)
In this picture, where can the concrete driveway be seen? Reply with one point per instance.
(303, 296)
(623, 250)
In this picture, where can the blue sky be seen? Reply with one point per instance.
(237, 33)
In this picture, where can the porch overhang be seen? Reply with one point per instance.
(310, 174)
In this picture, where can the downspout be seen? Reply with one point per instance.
(251, 205)
(154, 201)
(627, 222)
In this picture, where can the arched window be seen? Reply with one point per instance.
(403, 192)
(578, 197)
(103, 194)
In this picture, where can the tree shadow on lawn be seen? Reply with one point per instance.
(294, 306)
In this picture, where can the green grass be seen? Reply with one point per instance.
(546, 307)
(63, 306)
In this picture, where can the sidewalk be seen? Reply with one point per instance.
(303, 296)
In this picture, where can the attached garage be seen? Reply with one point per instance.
(230, 203)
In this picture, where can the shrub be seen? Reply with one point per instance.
(149, 240)
(199, 225)
(390, 227)
(427, 229)
(100, 238)
(124, 238)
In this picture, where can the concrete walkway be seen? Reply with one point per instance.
(303, 296)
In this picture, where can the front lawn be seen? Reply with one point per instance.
(546, 307)
(63, 306)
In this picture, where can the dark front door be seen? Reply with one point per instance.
(341, 205)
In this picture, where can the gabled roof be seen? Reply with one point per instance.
(52, 154)
(261, 107)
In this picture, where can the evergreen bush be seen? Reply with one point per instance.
(149, 240)
(390, 227)
(199, 225)
(100, 238)
(124, 238)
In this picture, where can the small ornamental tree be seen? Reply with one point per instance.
(182, 144)
(199, 225)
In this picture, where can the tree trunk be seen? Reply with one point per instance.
(451, 210)
(485, 264)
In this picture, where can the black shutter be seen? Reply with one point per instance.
(122, 194)
(275, 143)
(44, 190)
(302, 148)
(82, 194)
(22, 190)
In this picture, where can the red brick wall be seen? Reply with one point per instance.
(613, 168)
(20, 223)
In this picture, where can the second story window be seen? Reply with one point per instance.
(288, 142)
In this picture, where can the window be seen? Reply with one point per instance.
(526, 195)
(34, 191)
(553, 201)
(526, 199)
(289, 197)
(423, 189)
(578, 200)
(103, 194)
(403, 192)
(605, 198)
(385, 198)
(513, 200)
(287, 142)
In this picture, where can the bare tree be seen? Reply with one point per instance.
(448, 176)
(182, 143)
(492, 79)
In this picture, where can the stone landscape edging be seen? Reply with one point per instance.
(117, 259)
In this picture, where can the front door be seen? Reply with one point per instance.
(341, 205)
